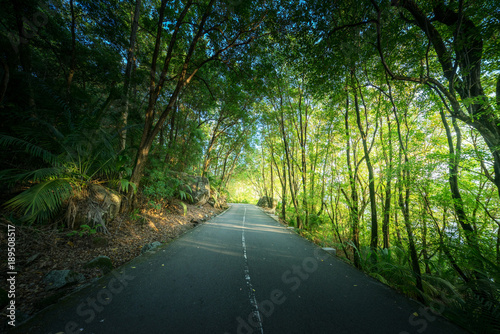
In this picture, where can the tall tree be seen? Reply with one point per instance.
(459, 49)
(205, 20)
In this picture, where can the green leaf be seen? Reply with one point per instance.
(184, 206)
(30, 148)
(41, 201)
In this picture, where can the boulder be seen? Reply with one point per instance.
(219, 203)
(150, 247)
(108, 199)
(97, 208)
(267, 202)
(57, 279)
(102, 262)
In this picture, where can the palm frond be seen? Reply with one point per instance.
(41, 201)
(11, 176)
(32, 149)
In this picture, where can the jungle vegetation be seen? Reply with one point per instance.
(375, 123)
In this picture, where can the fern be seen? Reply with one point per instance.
(185, 195)
(126, 184)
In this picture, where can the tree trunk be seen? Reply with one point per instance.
(371, 183)
(289, 167)
(404, 204)
(453, 163)
(444, 246)
(388, 193)
(72, 66)
(353, 205)
(128, 76)
(150, 128)
(22, 47)
(464, 76)
(302, 142)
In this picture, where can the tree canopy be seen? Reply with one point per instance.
(374, 123)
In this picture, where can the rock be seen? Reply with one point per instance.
(4, 298)
(222, 203)
(196, 221)
(150, 247)
(200, 190)
(108, 199)
(102, 262)
(219, 203)
(99, 207)
(330, 250)
(267, 202)
(59, 278)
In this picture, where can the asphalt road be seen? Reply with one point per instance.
(241, 272)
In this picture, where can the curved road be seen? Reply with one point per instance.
(241, 272)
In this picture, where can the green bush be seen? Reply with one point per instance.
(159, 185)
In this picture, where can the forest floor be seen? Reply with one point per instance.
(40, 250)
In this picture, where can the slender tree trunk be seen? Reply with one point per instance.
(171, 137)
(404, 204)
(388, 193)
(72, 67)
(302, 142)
(371, 182)
(454, 160)
(335, 220)
(23, 48)
(444, 246)
(271, 205)
(425, 253)
(289, 167)
(128, 76)
(498, 245)
(354, 210)
(284, 197)
(282, 179)
(458, 204)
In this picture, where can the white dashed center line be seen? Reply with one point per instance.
(251, 291)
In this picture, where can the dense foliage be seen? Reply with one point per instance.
(374, 123)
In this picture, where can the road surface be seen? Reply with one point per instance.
(241, 272)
